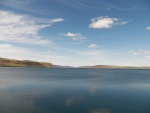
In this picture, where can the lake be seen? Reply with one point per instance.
(43, 90)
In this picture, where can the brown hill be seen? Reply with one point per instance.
(4, 62)
(115, 67)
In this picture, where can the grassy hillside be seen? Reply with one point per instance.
(4, 62)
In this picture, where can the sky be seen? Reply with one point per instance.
(76, 32)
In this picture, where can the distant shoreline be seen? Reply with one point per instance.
(5, 62)
(114, 67)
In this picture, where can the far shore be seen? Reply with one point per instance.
(5, 62)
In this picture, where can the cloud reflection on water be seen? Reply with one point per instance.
(84, 93)
(101, 111)
(72, 100)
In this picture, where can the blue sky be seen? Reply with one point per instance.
(76, 32)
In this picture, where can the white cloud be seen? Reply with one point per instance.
(148, 28)
(93, 46)
(141, 53)
(74, 36)
(105, 22)
(22, 28)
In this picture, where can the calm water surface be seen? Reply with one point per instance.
(40, 90)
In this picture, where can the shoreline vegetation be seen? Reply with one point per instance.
(5, 62)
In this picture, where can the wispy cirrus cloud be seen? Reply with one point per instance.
(97, 5)
(24, 5)
(74, 36)
(104, 22)
(101, 5)
(23, 28)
